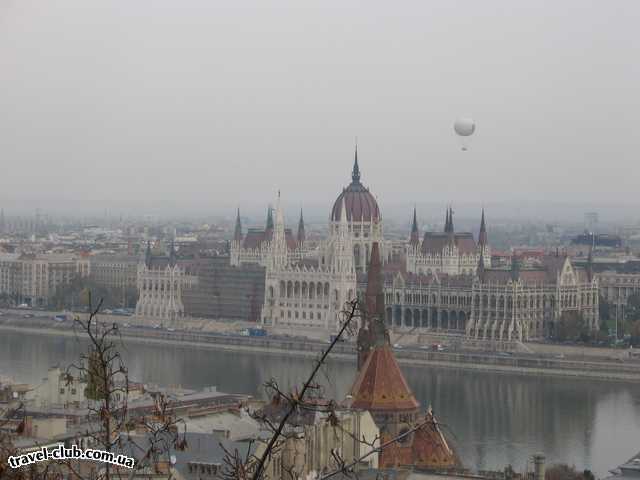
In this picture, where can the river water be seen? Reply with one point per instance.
(495, 419)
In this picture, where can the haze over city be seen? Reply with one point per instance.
(198, 106)
(302, 240)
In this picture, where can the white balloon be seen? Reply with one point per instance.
(464, 127)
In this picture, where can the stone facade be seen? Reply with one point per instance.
(34, 278)
(161, 282)
(498, 304)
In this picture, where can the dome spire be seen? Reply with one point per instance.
(482, 236)
(355, 174)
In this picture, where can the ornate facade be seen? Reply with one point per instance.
(303, 287)
(494, 304)
(307, 286)
(447, 252)
(160, 284)
(363, 217)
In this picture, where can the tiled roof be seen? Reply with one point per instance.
(360, 203)
(380, 385)
(434, 242)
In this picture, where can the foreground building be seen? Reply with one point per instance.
(381, 389)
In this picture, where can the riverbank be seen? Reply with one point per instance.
(304, 348)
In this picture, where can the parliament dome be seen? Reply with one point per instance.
(360, 203)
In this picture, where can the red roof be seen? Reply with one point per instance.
(434, 242)
(361, 205)
(426, 448)
(254, 238)
(380, 385)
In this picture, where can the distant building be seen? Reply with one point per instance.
(115, 271)
(497, 304)
(448, 252)
(222, 290)
(618, 280)
(161, 282)
(34, 278)
(602, 240)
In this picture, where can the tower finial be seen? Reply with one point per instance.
(269, 218)
(355, 174)
(237, 234)
(482, 236)
(301, 233)
(147, 255)
(414, 239)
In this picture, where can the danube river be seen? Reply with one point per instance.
(495, 419)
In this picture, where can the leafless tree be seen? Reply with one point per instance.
(107, 392)
(110, 424)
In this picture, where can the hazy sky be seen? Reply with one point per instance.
(187, 104)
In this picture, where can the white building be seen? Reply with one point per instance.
(309, 287)
(160, 284)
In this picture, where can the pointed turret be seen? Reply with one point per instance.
(482, 236)
(446, 221)
(237, 234)
(301, 234)
(355, 174)
(373, 331)
(414, 240)
(147, 255)
(268, 230)
(374, 294)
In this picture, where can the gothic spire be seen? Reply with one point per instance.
(237, 234)
(446, 221)
(270, 218)
(355, 174)
(301, 233)
(374, 295)
(482, 237)
(451, 219)
(414, 239)
(147, 255)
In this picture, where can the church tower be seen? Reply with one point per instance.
(380, 388)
